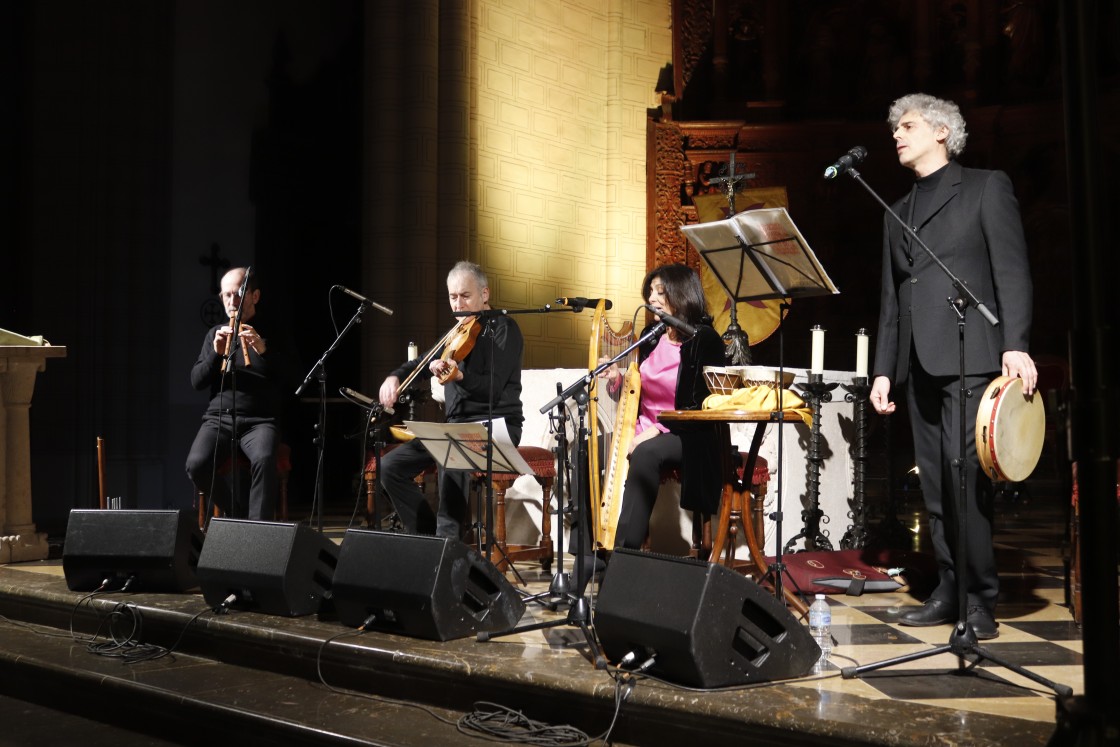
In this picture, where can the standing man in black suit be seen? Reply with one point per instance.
(970, 219)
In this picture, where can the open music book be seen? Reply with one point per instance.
(760, 254)
(463, 445)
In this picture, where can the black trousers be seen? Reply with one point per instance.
(643, 481)
(399, 468)
(258, 441)
(934, 403)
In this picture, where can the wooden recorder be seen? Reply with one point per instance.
(229, 341)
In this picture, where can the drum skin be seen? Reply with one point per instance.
(1010, 429)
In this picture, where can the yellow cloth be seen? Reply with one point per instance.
(759, 398)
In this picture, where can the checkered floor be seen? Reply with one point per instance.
(1036, 631)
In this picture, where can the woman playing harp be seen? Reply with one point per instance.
(612, 414)
(672, 378)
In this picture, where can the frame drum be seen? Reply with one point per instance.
(1010, 429)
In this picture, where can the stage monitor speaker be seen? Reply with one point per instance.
(157, 550)
(703, 624)
(422, 587)
(272, 567)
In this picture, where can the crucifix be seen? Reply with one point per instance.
(215, 262)
(738, 349)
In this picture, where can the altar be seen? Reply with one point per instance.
(21, 360)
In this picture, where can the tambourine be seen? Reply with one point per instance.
(1010, 429)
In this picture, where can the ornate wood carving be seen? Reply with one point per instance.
(692, 29)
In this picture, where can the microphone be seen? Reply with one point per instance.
(680, 324)
(363, 299)
(365, 401)
(579, 303)
(845, 162)
(245, 282)
(358, 396)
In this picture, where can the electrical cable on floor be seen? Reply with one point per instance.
(368, 696)
(497, 722)
(124, 624)
(503, 724)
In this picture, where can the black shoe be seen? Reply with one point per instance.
(983, 624)
(933, 612)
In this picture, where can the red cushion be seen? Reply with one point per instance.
(283, 461)
(540, 460)
(761, 474)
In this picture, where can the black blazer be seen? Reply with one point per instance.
(973, 226)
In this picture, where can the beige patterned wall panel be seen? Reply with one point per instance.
(558, 132)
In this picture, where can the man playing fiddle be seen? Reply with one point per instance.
(468, 384)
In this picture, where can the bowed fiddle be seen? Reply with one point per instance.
(459, 344)
(456, 344)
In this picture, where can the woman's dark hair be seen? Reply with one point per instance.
(683, 291)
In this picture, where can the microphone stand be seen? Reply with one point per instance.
(234, 439)
(579, 609)
(962, 641)
(319, 373)
(485, 315)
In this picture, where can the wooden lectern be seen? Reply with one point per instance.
(21, 358)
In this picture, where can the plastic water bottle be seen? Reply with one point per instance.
(820, 627)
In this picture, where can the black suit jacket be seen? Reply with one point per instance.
(973, 226)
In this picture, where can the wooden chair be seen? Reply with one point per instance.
(283, 468)
(702, 525)
(542, 461)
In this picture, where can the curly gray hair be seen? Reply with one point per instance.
(936, 112)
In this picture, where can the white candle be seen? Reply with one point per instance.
(861, 354)
(817, 364)
(413, 351)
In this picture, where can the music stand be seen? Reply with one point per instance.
(758, 255)
(463, 446)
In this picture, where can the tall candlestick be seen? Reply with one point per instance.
(817, 364)
(861, 353)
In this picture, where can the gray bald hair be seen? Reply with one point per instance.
(470, 268)
(936, 112)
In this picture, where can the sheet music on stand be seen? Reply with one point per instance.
(760, 254)
(463, 446)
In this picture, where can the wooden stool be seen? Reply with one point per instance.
(543, 464)
(702, 545)
(702, 525)
(370, 477)
(731, 503)
(283, 468)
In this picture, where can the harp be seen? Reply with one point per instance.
(612, 414)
